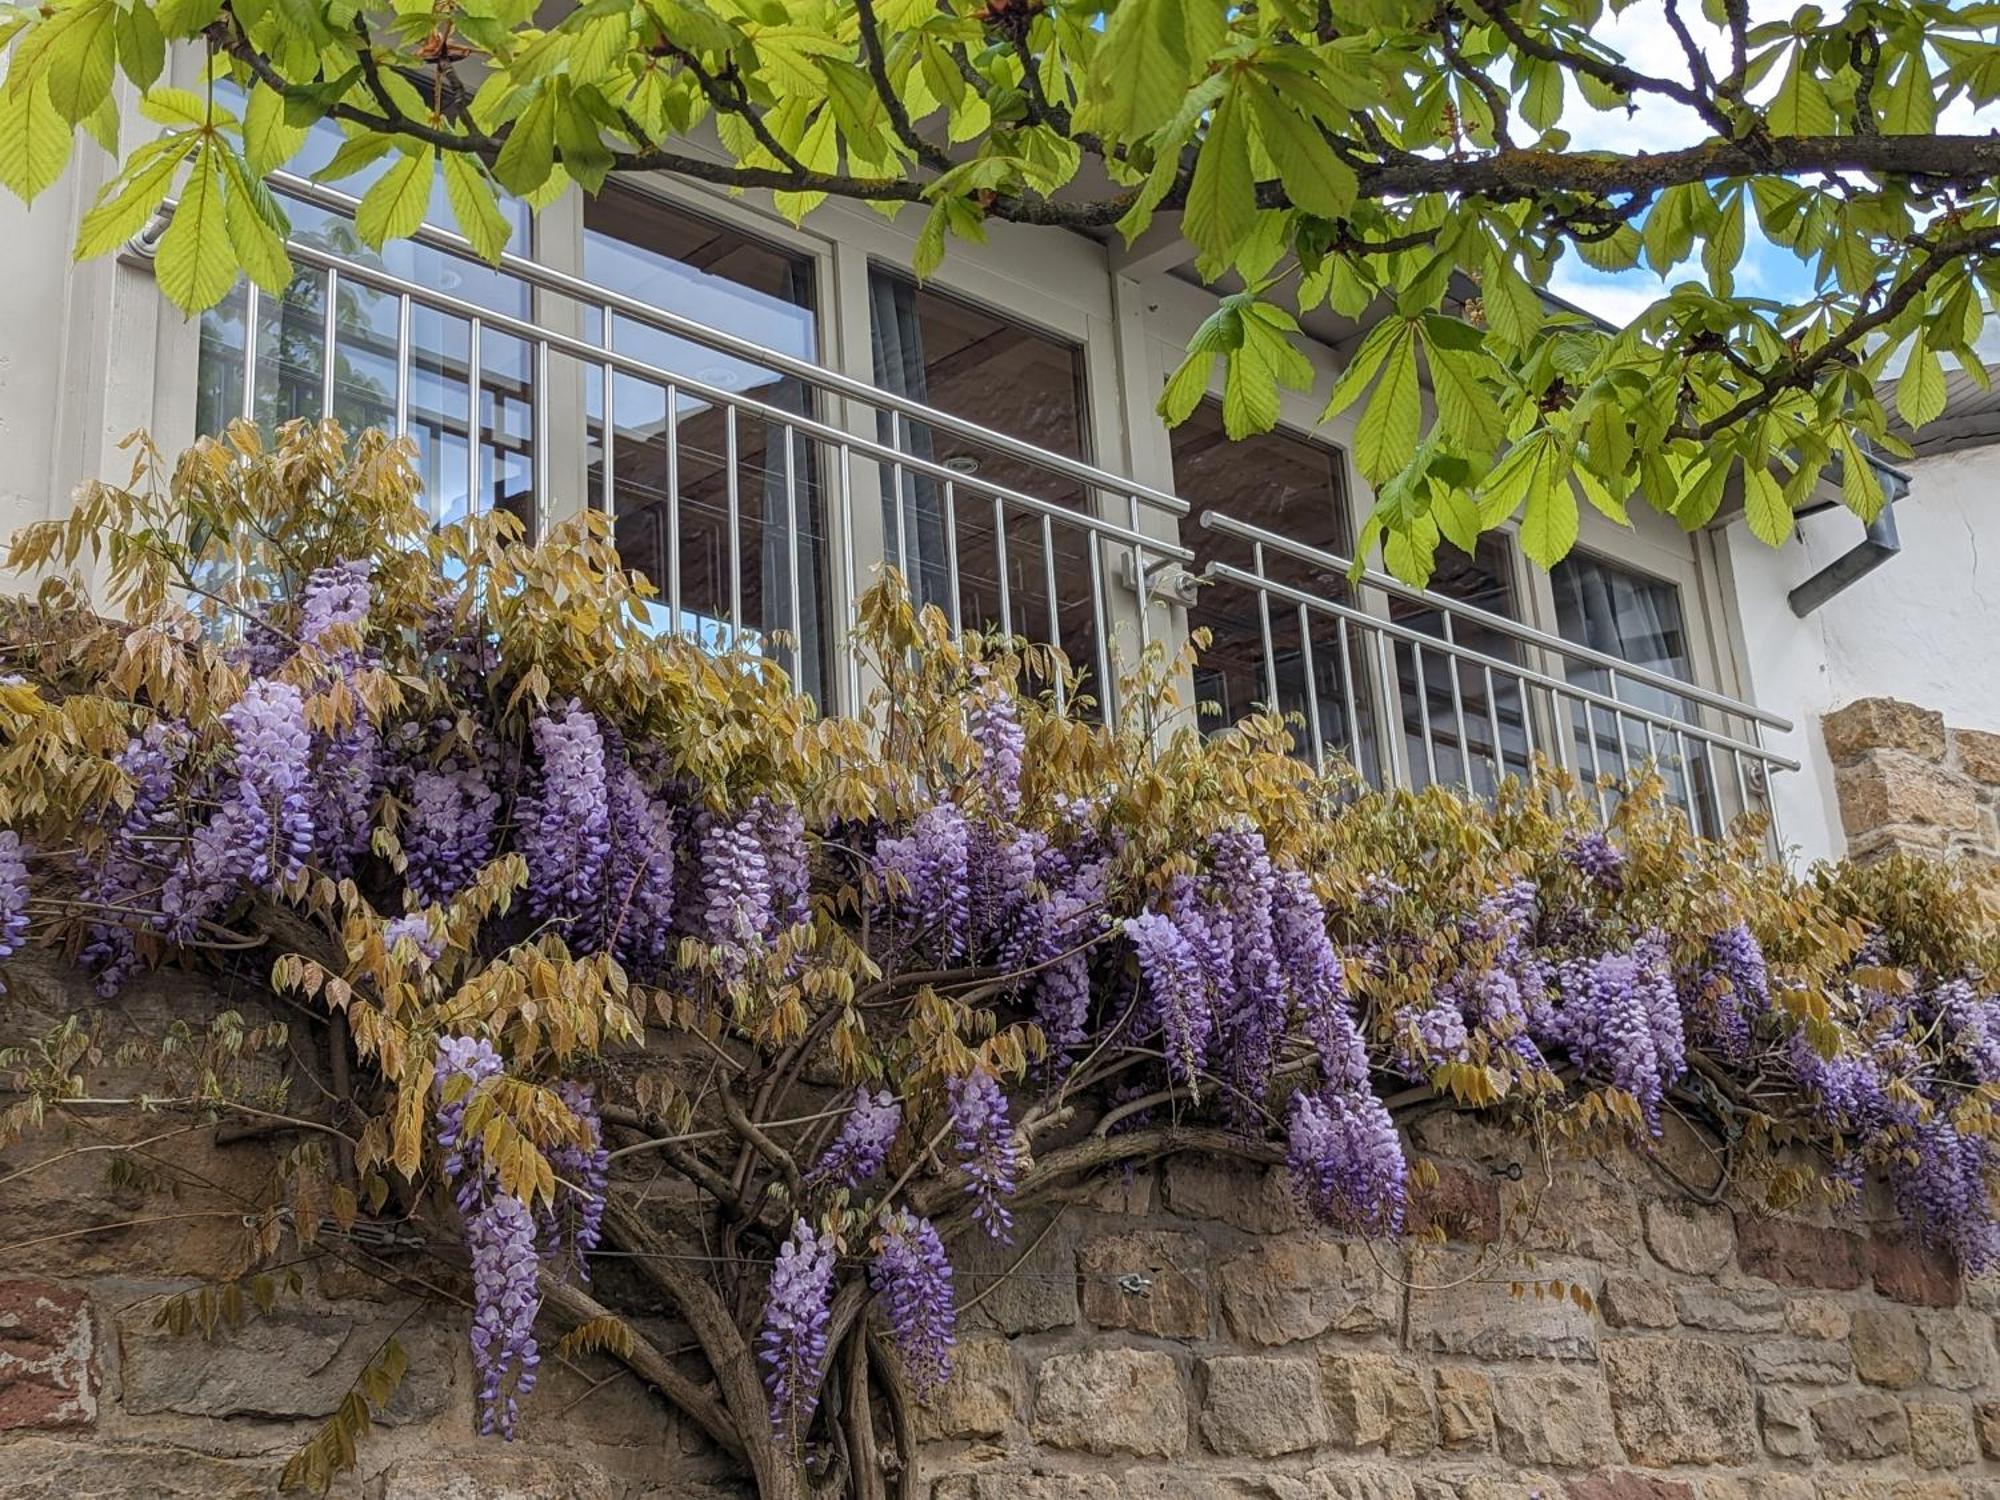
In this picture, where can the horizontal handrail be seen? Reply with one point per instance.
(1518, 671)
(1334, 563)
(305, 190)
(597, 355)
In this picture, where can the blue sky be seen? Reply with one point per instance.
(1642, 35)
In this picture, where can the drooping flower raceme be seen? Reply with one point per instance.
(1178, 989)
(566, 833)
(273, 751)
(1346, 1162)
(912, 1275)
(1597, 858)
(449, 831)
(586, 1171)
(995, 723)
(736, 881)
(13, 893)
(334, 596)
(931, 866)
(640, 873)
(792, 1342)
(416, 928)
(984, 1139)
(1620, 1019)
(866, 1135)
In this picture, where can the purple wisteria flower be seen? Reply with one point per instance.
(267, 727)
(449, 830)
(334, 596)
(416, 929)
(932, 865)
(1619, 1017)
(1597, 858)
(506, 1270)
(1177, 988)
(127, 866)
(984, 1138)
(584, 1171)
(13, 893)
(781, 831)
(1346, 1161)
(912, 1276)
(792, 1343)
(866, 1135)
(736, 882)
(566, 832)
(995, 723)
(640, 873)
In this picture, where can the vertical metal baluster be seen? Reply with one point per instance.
(402, 361)
(1392, 681)
(1352, 706)
(1144, 583)
(951, 555)
(1458, 707)
(1001, 563)
(1493, 723)
(735, 493)
(1618, 724)
(1424, 713)
(472, 506)
(1312, 687)
(902, 508)
(610, 423)
(252, 310)
(1528, 724)
(792, 521)
(1742, 783)
(542, 461)
(329, 341)
(1107, 690)
(1264, 624)
(1687, 760)
(850, 577)
(1049, 578)
(674, 505)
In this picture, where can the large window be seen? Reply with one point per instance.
(278, 369)
(1463, 723)
(1296, 488)
(1636, 618)
(1012, 569)
(719, 505)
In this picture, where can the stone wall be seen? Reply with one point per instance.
(1576, 1330)
(1907, 781)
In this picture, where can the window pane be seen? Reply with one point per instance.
(734, 495)
(1028, 574)
(290, 369)
(1637, 619)
(1463, 722)
(1296, 488)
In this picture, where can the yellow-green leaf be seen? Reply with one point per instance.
(394, 207)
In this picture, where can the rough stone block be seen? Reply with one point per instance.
(1259, 1201)
(1355, 1482)
(1623, 1484)
(1740, 1309)
(1261, 1405)
(1866, 1425)
(1560, 1417)
(1888, 1349)
(497, 1476)
(1786, 1417)
(1941, 1434)
(1301, 1286)
(1961, 1349)
(1042, 1295)
(1693, 1238)
(1463, 1204)
(986, 1392)
(1028, 1487)
(1637, 1302)
(1914, 1273)
(1818, 1318)
(1793, 1253)
(1175, 1301)
(1577, 1214)
(38, 1468)
(1486, 1319)
(48, 1356)
(1978, 754)
(1798, 1362)
(1882, 723)
(1680, 1401)
(290, 1363)
(1891, 786)
(1374, 1400)
(1464, 1409)
(1986, 1419)
(1112, 1401)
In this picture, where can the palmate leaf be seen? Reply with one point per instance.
(1385, 438)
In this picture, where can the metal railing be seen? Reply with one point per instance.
(1062, 572)
(1412, 687)
(1412, 701)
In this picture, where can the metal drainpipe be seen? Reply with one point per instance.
(1876, 547)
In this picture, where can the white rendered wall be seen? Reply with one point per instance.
(1924, 627)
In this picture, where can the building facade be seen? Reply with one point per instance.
(786, 409)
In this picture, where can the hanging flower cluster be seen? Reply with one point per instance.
(792, 1343)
